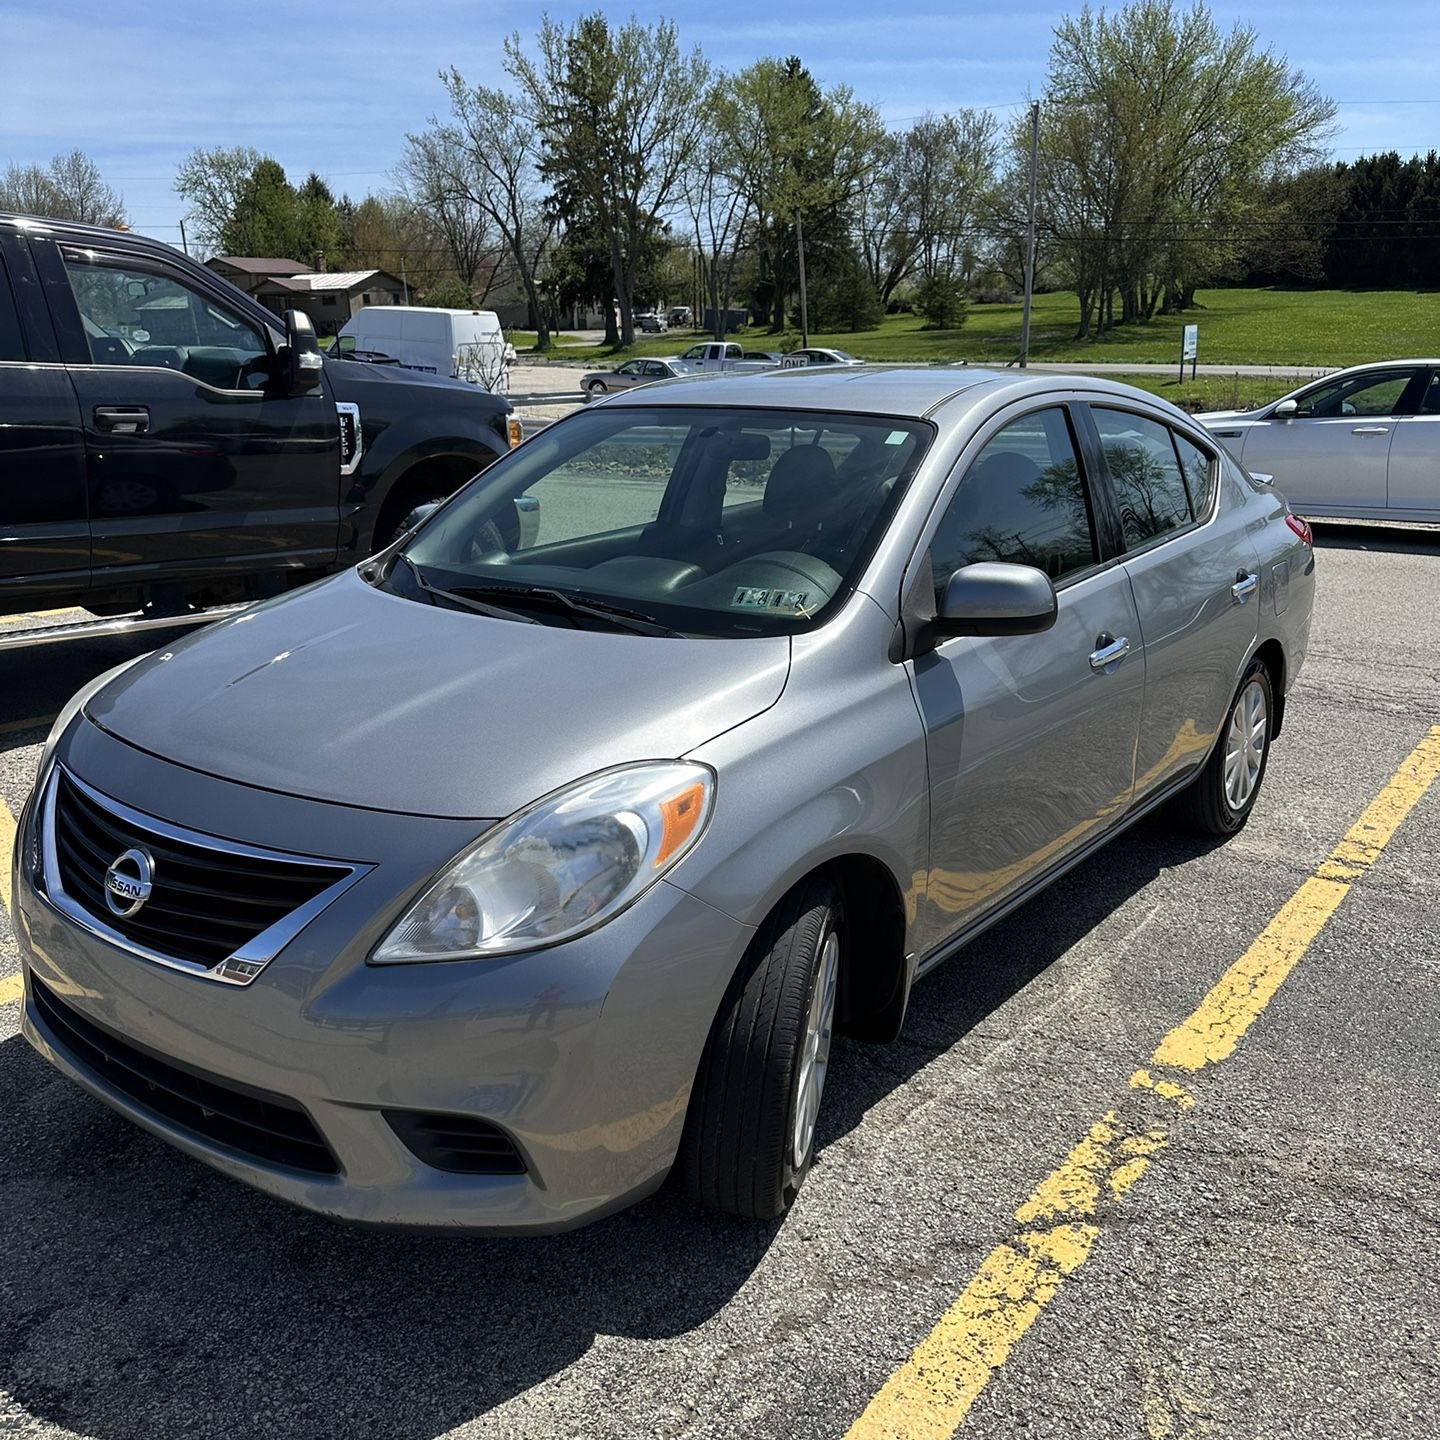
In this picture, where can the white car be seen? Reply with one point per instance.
(1361, 444)
(813, 356)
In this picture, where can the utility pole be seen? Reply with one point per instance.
(804, 302)
(403, 280)
(1030, 235)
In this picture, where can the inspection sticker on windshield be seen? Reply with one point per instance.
(750, 597)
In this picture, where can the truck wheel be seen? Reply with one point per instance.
(750, 1131)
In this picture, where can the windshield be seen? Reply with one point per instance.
(699, 521)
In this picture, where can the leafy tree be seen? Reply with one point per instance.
(69, 188)
(842, 296)
(1159, 134)
(795, 150)
(940, 299)
(619, 110)
(211, 182)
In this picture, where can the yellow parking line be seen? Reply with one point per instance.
(7, 846)
(1058, 1225)
(11, 986)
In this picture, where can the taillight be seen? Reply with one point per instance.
(1301, 526)
(514, 431)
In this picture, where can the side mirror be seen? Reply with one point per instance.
(344, 344)
(300, 362)
(994, 597)
(1286, 410)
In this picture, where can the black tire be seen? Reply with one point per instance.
(396, 519)
(737, 1153)
(595, 389)
(1204, 804)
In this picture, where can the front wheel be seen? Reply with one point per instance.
(750, 1131)
(1221, 797)
(595, 389)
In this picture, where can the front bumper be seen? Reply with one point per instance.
(583, 1055)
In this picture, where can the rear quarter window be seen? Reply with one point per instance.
(1149, 487)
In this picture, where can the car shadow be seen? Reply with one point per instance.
(1396, 538)
(969, 987)
(146, 1295)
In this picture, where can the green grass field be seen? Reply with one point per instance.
(1237, 327)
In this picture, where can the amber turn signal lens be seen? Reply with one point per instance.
(679, 815)
(514, 430)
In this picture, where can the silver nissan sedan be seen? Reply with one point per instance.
(490, 882)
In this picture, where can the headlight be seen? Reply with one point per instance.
(560, 868)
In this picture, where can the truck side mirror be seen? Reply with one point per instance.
(300, 362)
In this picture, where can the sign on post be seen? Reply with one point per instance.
(1190, 350)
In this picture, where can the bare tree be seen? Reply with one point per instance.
(460, 224)
(69, 188)
(486, 159)
(720, 206)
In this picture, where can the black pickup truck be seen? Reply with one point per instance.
(168, 443)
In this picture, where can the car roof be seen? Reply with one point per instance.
(887, 391)
(910, 392)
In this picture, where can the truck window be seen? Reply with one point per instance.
(133, 316)
(12, 343)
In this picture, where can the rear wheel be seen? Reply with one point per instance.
(750, 1132)
(1220, 799)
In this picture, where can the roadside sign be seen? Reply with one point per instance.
(1189, 349)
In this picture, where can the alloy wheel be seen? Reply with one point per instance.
(815, 1047)
(1245, 745)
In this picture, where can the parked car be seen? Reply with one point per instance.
(812, 356)
(650, 321)
(1361, 444)
(466, 345)
(166, 441)
(712, 356)
(483, 886)
(631, 374)
(680, 317)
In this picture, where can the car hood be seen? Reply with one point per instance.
(349, 694)
(1209, 415)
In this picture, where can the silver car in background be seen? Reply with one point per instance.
(633, 373)
(489, 883)
(1361, 444)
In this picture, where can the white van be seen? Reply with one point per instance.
(468, 344)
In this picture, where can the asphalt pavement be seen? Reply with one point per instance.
(1260, 1261)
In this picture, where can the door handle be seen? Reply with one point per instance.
(1245, 586)
(122, 419)
(1110, 651)
(1371, 430)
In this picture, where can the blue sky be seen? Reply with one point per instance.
(334, 87)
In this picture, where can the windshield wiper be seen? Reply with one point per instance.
(464, 601)
(635, 621)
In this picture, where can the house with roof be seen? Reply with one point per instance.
(328, 297)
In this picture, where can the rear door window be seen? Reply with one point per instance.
(1145, 471)
(12, 342)
(1022, 500)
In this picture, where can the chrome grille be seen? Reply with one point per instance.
(214, 906)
